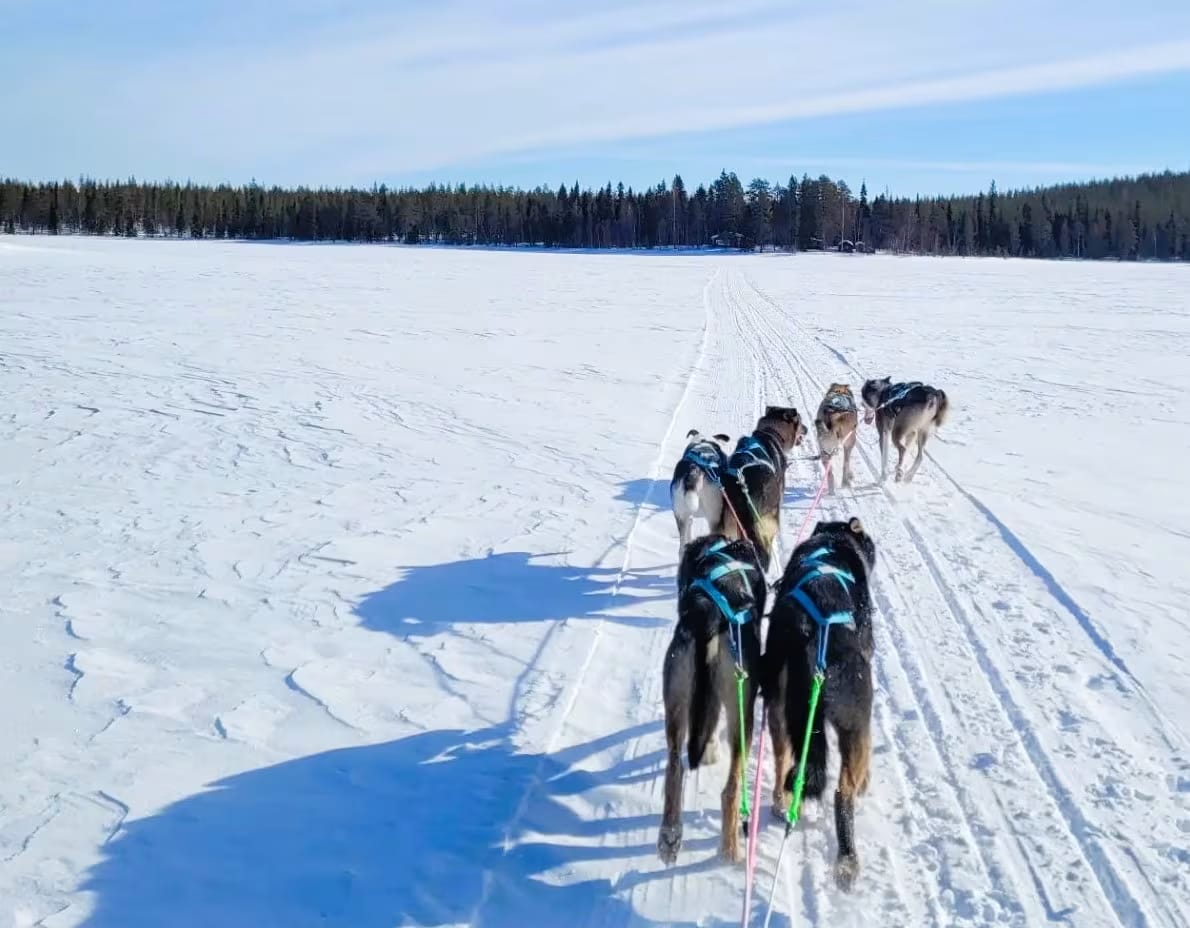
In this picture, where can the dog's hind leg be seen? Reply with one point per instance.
(678, 692)
(883, 428)
(902, 442)
(855, 746)
(684, 523)
(799, 715)
(825, 460)
(922, 435)
(782, 752)
(729, 842)
(847, 446)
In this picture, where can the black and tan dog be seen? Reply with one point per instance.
(906, 412)
(721, 597)
(754, 480)
(835, 425)
(823, 599)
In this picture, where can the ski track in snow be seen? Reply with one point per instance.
(340, 581)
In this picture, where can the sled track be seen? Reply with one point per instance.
(898, 741)
(1120, 870)
(592, 634)
(1173, 736)
(999, 795)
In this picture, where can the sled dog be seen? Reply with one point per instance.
(823, 598)
(835, 426)
(905, 412)
(695, 490)
(721, 597)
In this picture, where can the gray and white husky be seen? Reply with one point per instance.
(695, 488)
(906, 412)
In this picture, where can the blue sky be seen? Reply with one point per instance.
(929, 96)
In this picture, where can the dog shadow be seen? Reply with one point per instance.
(411, 831)
(644, 492)
(506, 587)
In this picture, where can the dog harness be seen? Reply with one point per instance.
(726, 565)
(705, 456)
(752, 453)
(898, 391)
(841, 402)
(812, 566)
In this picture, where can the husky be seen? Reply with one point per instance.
(721, 597)
(754, 480)
(824, 592)
(695, 488)
(836, 425)
(906, 411)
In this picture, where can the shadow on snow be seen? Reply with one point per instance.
(510, 586)
(407, 832)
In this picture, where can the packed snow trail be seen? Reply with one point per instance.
(340, 581)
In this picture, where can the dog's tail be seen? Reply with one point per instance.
(692, 702)
(691, 706)
(704, 701)
(942, 409)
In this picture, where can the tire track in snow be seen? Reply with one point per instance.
(1115, 888)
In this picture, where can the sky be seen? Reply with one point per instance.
(911, 96)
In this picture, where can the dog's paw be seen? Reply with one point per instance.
(815, 780)
(669, 842)
(846, 872)
(781, 807)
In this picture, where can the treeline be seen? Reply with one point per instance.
(1145, 217)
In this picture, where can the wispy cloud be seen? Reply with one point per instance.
(376, 93)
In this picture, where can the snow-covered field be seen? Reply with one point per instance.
(337, 582)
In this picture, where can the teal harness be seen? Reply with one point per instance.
(813, 567)
(706, 457)
(750, 453)
(726, 566)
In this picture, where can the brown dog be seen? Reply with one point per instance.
(836, 425)
(754, 479)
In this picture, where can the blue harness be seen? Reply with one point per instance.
(813, 567)
(899, 391)
(727, 565)
(752, 454)
(705, 456)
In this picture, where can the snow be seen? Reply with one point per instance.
(338, 581)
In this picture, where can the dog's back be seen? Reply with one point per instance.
(694, 489)
(837, 413)
(793, 630)
(721, 597)
(755, 480)
(703, 603)
(824, 592)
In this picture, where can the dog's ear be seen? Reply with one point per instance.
(855, 525)
(790, 415)
(692, 433)
(726, 439)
